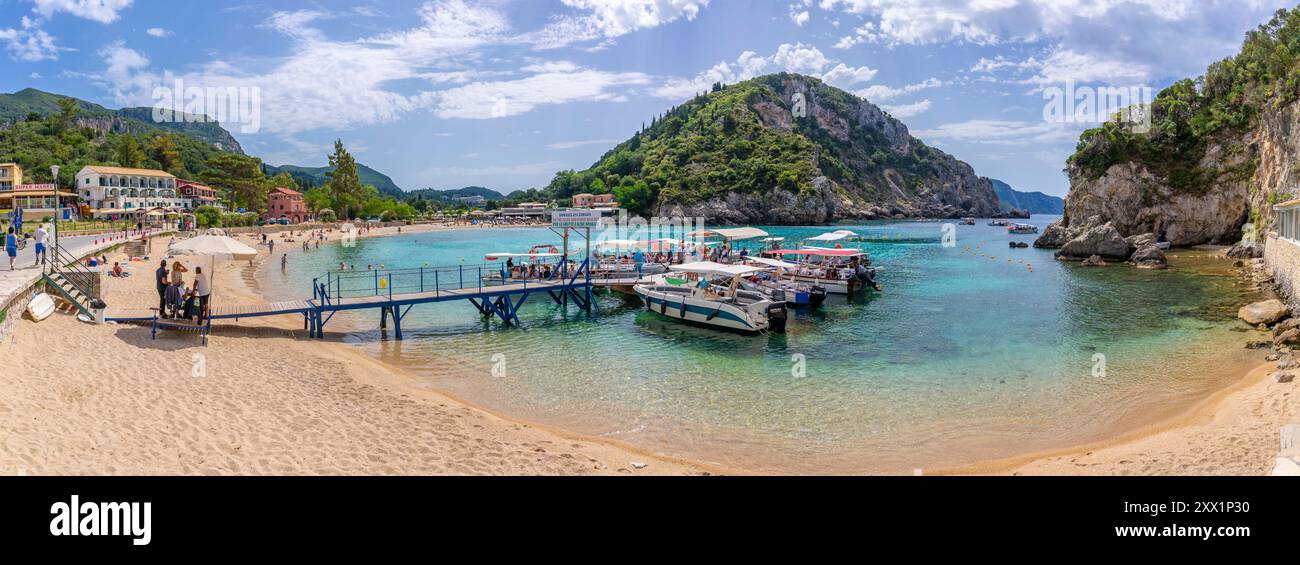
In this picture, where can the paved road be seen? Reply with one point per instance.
(27, 257)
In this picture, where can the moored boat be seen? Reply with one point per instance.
(794, 294)
(1022, 229)
(839, 271)
(700, 300)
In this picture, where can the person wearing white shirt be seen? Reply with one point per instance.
(40, 236)
(203, 291)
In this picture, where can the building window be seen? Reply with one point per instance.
(1288, 224)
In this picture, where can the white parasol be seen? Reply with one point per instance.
(213, 246)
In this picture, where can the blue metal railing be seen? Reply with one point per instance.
(339, 285)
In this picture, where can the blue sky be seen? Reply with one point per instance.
(504, 93)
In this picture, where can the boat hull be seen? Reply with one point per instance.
(681, 306)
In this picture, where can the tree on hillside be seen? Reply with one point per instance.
(128, 152)
(344, 186)
(62, 120)
(162, 148)
(637, 198)
(283, 180)
(318, 199)
(240, 177)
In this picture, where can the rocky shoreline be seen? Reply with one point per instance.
(1094, 243)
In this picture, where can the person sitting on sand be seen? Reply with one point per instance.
(118, 271)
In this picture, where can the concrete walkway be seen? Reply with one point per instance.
(16, 282)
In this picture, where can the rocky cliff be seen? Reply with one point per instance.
(784, 149)
(1221, 151)
(1246, 174)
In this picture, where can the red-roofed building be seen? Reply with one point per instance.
(197, 194)
(286, 203)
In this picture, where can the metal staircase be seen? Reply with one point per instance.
(66, 276)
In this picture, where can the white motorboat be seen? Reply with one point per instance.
(794, 294)
(515, 266)
(1021, 229)
(839, 271)
(699, 300)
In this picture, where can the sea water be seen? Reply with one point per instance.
(973, 351)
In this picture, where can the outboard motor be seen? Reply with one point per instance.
(816, 296)
(776, 317)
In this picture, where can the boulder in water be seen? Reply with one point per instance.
(1245, 250)
(1140, 241)
(1149, 256)
(1289, 337)
(1264, 312)
(1287, 324)
(1094, 261)
(1054, 236)
(1103, 240)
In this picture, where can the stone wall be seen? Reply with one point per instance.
(1282, 259)
(13, 310)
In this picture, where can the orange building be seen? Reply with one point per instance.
(285, 203)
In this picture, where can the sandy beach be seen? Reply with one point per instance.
(262, 399)
(259, 399)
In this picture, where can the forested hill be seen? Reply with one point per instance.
(782, 149)
(1032, 202)
(29, 104)
(311, 177)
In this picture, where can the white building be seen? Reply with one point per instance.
(118, 188)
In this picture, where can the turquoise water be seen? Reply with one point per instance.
(971, 352)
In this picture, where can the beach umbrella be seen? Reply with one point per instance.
(213, 247)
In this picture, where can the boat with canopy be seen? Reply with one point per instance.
(712, 294)
(795, 294)
(840, 271)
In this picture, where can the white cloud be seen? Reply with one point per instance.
(501, 99)
(1003, 132)
(30, 44)
(881, 93)
(902, 111)
(576, 144)
(1066, 64)
(1174, 37)
(102, 11)
(329, 84)
(793, 58)
(799, 13)
(158, 32)
(608, 19)
(986, 22)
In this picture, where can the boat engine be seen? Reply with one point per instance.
(776, 317)
(816, 296)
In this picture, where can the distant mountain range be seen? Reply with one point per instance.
(1034, 202)
(436, 194)
(311, 177)
(19, 105)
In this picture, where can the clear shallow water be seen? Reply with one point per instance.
(966, 355)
